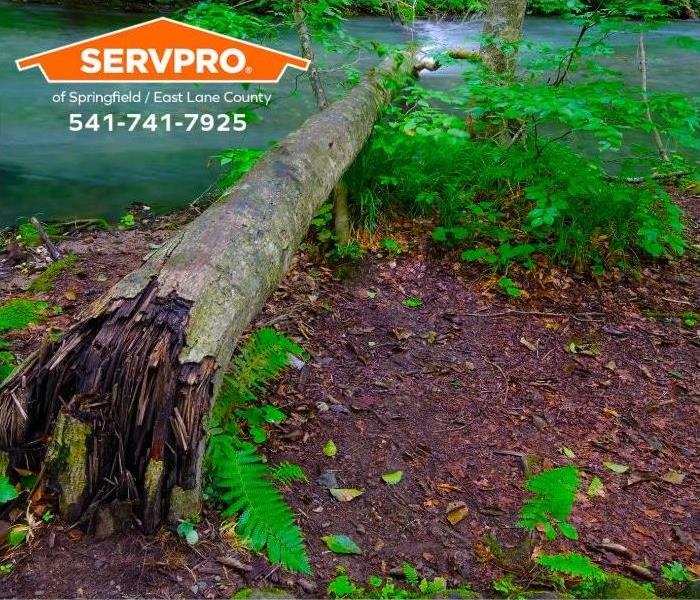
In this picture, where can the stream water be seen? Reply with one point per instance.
(52, 173)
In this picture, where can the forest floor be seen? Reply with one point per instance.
(460, 394)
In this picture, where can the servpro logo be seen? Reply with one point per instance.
(166, 51)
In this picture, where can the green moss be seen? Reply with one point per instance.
(20, 312)
(67, 457)
(185, 504)
(45, 281)
(621, 587)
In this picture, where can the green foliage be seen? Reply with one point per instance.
(412, 302)
(19, 313)
(7, 490)
(224, 18)
(238, 476)
(553, 493)
(7, 360)
(127, 221)
(287, 473)
(574, 565)
(242, 482)
(28, 236)
(238, 161)
(415, 587)
(188, 532)
(45, 281)
(675, 572)
(391, 246)
(509, 287)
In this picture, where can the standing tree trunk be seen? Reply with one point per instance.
(339, 195)
(117, 408)
(503, 26)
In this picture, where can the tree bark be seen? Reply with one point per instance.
(503, 25)
(121, 401)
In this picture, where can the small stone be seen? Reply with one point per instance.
(340, 408)
(322, 407)
(308, 586)
(99, 563)
(328, 480)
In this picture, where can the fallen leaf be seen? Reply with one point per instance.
(611, 365)
(529, 345)
(568, 452)
(393, 478)
(596, 488)
(674, 477)
(611, 412)
(329, 449)
(70, 295)
(469, 365)
(456, 511)
(341, 544)
(400, 333)
(616, 468)
(345, 494)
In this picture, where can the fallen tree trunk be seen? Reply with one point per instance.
(117, 407)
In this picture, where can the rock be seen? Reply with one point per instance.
(340, 408)
(308, 586)
(327, 480)
(322, 407)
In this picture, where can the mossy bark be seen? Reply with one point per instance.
(503, 25)
(141, 367)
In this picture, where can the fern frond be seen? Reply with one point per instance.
(553, 492)
(574, 564)
(242, 482)
(287, 472)
(263, 357)
(410, 573)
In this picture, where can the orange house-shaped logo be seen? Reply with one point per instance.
(165, 51)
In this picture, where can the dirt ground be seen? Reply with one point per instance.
(460, 394)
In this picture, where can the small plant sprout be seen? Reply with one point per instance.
(412, 302)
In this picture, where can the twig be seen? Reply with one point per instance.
(50, 246)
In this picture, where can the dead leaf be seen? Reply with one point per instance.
(646, 371)
(401, 333)
(611, 365)
(345, 494)
(456, 511)
(469, 365)
(674, 477)
(529, 345)
(70, 295)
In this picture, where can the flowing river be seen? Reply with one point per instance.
(52, 173)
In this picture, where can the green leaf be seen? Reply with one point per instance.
(568, 531)
(329, 449)
(412, 302)
(616, 468)
(341, 544)
(17, 535)
(568, 452)
(393, 478)
(596, 487)
(7, 490)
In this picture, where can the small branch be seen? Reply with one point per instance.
(645, 97)
(50, 246)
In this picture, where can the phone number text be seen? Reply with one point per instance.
(225, 122)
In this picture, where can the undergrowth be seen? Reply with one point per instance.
(240, 479)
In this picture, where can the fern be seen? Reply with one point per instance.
(287, 472)
(410, 573)
(242, 482)
(574, 564)
(264, 356)
(553, 492)
(239, 478)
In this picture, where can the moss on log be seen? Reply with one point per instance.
(141, 367)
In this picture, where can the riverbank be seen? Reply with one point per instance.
(577, 372)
